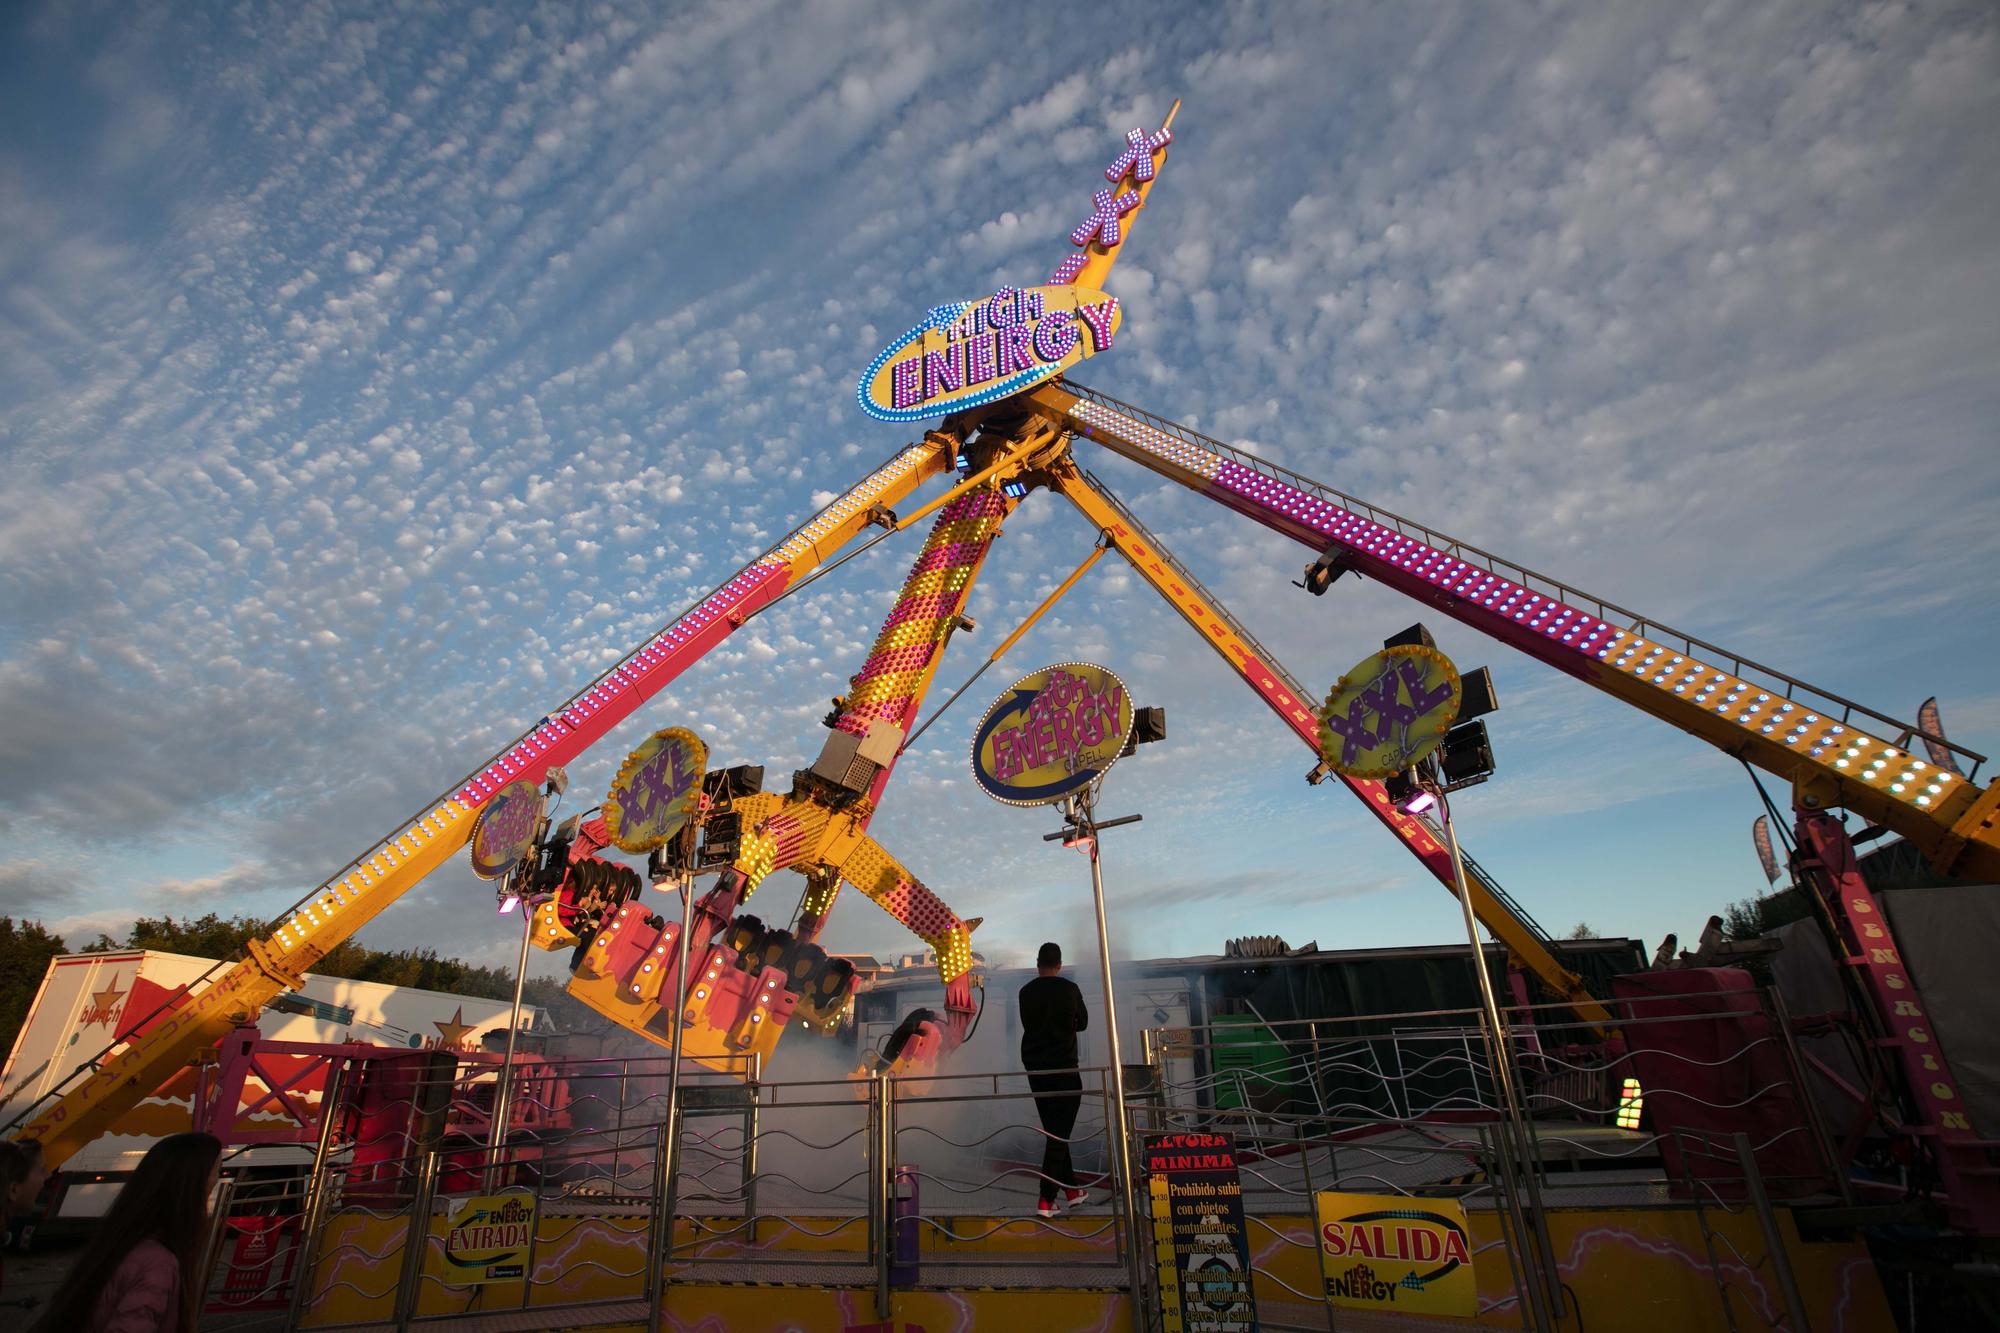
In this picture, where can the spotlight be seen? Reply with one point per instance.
(1322, 573)
(1467, 757)
(1148, 725)
(1478, 699)
(1415, 636)
(1408, 794)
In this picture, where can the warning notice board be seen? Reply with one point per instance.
(1199, 1245)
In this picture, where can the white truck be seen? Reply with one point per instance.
(88, 1000)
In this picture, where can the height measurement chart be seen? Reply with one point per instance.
(1199, 1247)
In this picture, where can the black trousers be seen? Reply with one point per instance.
(1057, 1098)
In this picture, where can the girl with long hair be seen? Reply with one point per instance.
(137, 1274)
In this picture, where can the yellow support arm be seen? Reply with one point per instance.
(1261, 673)
(91, 1101)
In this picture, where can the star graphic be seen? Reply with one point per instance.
(105, 1006)
(452, 1033)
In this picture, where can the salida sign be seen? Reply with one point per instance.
(657, 790)
(1386, 1251)
(1054, 732)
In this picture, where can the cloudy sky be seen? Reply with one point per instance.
(371, 377)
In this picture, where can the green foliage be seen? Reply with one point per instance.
(1750, 918)
(25, 950)
(212, 936)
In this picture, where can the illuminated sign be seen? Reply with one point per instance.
(487, 1238)
(1391, 1252)
(1054, 732)
(506, 829)
(1389, 712)
(657, 790)
(972, 352)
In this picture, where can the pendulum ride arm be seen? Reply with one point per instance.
(107, 1087)
(831, 845)
(1834, 752)
(1277, 688)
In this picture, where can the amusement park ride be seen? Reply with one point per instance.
(992, 369)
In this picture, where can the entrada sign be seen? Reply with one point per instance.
(657, 790)
(506, 829)
(1393, 1252)
(969, 353)
(487, 1238)
(1389, 712)
(1053, 733)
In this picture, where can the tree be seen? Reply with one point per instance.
(1583, 930)
(25, 950)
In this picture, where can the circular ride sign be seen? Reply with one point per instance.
(1389, 712)
(1053, 733)
(657, 790)
(505, 831)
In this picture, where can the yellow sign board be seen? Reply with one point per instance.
(1054, 732)
(487, 1238)
(506, 829)
(657, 790)
(1396, 1254)
(1389, 712)
(968, 353)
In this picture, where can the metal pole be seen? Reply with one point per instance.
(1781, 1262)
(673, 1145)
(317, 1188)
(1495, 1032)
(416, 1241)
(1082, 808)
(504, 1087)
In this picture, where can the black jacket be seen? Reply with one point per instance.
(1052, 1013)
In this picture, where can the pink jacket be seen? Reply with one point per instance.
(143, 1296)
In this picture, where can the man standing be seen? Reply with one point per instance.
(1052, 1013)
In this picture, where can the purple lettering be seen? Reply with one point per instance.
(906, 384)
(1113, 702)
(1067, 270)
(1138, 155)
(1034, 303)
(1065, 738)
(978, 361)
(1055, 336)
(1002, 312)
(1099, 317)
(944, 371)
(1045, 741)
(1102, 224)
(1011, 344)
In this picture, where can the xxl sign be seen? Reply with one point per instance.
(973, 352)
(1054, 732)
(1393, 1252)
(657, 790)
(1389, 712)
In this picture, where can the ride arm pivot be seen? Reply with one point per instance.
(105, 1088)
(1274, 686)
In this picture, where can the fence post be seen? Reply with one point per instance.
(660, 1234)
(880, 1184)
(305, 1269)
(416, 1240)
(1774, 1243)
(211, 1245)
